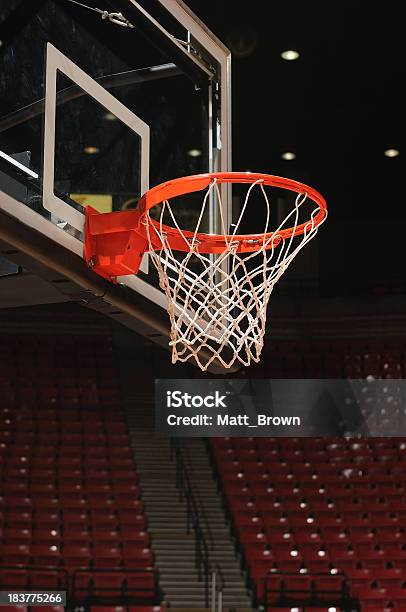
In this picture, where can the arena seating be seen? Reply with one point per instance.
(332, 358)
(312, 506)
(70, 512)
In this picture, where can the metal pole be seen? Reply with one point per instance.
(213, 592)
(220, 601)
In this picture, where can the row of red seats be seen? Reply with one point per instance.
(71, 502)
(339, 472)
(341, 489)
(61, 472)
(130, 554)
(48, 536)
(60, 344)
(53, 360)
(55, 373)
(294, 454)
(308, 533)
(79, 432)
(322, 588)
(18, 428)
(92, 402)
(300, 547)
(9, 450)
(83, 583)
(303, 587)
(83, 438)
(355, 367)
(78, 475)
(31, 487)
(328, 371)
(315, 444)
(249, 443)
(304, 500)
(64, 412)
(67, 397)
(75, 519)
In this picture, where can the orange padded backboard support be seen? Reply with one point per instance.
(116, 250)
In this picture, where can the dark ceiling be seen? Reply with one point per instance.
(338, 107)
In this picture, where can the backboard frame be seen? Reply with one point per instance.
(57, 61)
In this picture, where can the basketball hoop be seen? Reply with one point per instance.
(217, 286)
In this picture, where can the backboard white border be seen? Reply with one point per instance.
(55, 60)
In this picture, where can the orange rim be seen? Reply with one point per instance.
(218, 243)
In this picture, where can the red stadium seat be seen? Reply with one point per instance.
(15, 554)
(137, 557)
(130, 519)
(297, 586)
(17, 535)
(45, 554)
(131, 535)
(106, 519)
(42, 535)
(375, 596)
(106, 537)
(272, 585)
(98, 488)
(108, 584)
(106, 556)
(93, 476)
(75, 556)
(82, 585)
(44, 519)
(13, 578)
(47, 580)
(329, 587)
(101, 502)
(141, 585)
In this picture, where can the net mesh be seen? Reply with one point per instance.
(218, 302)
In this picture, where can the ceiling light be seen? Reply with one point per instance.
(194, 152)
(391, 152)
(91, 150)
(110, 117)
(290, 55)
(288, 155)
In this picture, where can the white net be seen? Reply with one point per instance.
(217, 303)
